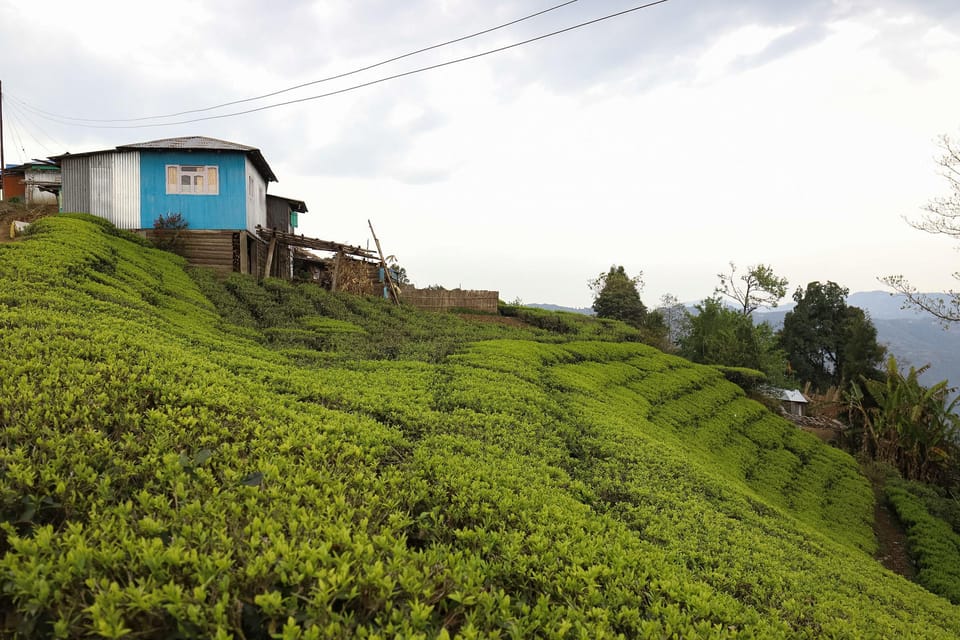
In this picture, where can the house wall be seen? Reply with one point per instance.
(226, 210)
(218, 250)
(104, 184)
(278, 214)
(13, 186)
(34, 177)
(256, 195)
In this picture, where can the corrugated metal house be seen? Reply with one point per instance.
(218, 187)
(32, 182)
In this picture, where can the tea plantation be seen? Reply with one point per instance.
(184, 457)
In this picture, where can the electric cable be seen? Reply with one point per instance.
(371, 82)
(314, 82)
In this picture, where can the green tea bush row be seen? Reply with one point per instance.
(933, 543)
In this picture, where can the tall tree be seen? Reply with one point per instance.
(675, 317)
(758, 287)
(721, 335)
(617, 296)
(828, 342)
(942, 217)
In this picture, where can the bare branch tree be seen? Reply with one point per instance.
(942, 217)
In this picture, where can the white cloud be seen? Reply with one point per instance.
(672, 141)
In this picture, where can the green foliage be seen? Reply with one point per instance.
(721, 336)
(302, 464)
(758, 287)
(617, 296)
(827, 342)
(907, 425)
(933, 543)
(746, 379)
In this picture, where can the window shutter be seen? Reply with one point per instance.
(172, 179)
(213, 182)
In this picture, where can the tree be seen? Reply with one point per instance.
(828, 342)
(617, 296)
(675, 316)
(721, 335)
(758, 287)
(906, 424)
(942, 217)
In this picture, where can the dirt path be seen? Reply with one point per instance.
(891, 538)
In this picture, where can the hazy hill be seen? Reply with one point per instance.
(185, 457)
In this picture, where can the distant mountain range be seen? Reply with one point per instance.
(915, 338)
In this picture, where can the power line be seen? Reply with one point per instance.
(23, 114)
(17, 139)
(372, 82)
(22, 118)
(314, 82)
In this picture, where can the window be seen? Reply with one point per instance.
(194, 179)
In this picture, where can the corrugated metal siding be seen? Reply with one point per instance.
(76, 184)
(106, 185)
(125, 197)
(101, 185)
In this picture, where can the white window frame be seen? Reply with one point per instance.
(192, 179)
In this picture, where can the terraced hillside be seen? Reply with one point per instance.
(181, 457)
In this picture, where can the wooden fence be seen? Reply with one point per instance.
(446, 299)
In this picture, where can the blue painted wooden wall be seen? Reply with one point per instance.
(228, 210)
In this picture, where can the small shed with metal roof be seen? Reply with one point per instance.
(792, 401)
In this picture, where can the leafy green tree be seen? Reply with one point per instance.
(617, 296)
(942, 217)
(828, 342)
(720, 335)
(758, 287)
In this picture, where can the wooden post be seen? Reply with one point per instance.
(244, 253)
(336, 271)
(383, 263)
(270, 250)
(1, 140)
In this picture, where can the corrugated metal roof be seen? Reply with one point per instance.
(194, 143)
(189, 142)
(791, 395)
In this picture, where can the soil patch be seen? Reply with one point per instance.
(891, 537)
(10, 211)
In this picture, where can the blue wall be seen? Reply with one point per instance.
(228, 210)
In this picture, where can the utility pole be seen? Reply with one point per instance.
(2, 165)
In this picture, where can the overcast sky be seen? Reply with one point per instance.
(670, 140)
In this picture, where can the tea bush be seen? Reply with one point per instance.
(933, 543)
(182, 456)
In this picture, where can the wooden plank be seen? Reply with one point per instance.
(293, 240)
(386, 270)
(269, 262)
(336, 271)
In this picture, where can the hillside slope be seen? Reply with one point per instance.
(184, 457)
